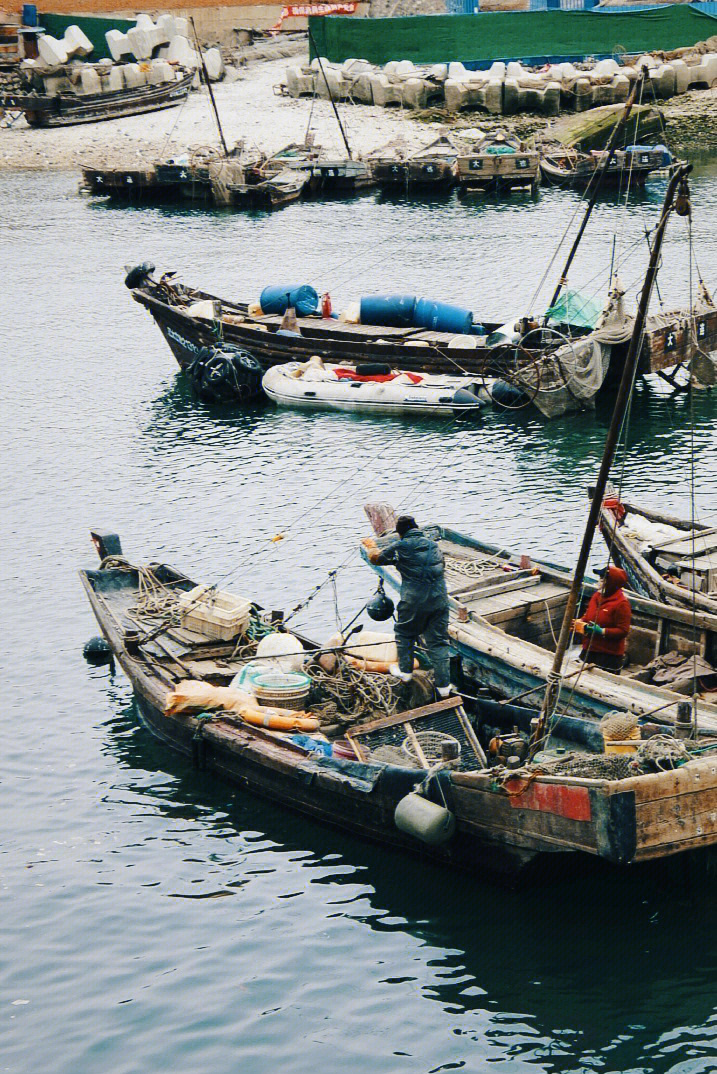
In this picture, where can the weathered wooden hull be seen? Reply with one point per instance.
(579, 177)
(643, 576)
(498, 172)
(497, 828)
(65, 110)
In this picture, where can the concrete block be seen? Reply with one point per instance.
(166, 27)
(439, 72)
(90, 80)
(458, 73)
(361, 90)
(515, 70)
(389, 69)
(214, 64)
(232, 74)
(332, 84)
(662, 80)
(182, 27)
(418, 93)
(300, 81)
(113, 81)
(141, 42)
(384, 91)
(405, 69)
(647, 61)
(496, 70)
(52, 52)
(487, 95)
(76, 42)
(118, 45)
(181, 52)
(605, 69)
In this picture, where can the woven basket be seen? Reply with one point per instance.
(431, 742)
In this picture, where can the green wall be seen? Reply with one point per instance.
(95, 28)
(508, 35)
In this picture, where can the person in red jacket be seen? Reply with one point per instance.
(606, 623)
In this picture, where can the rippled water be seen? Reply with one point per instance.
(157, 920)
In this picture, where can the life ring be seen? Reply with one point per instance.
(281, 723)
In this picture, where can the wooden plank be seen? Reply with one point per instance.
(416, 745)
(404, 717)
(526, 579)
(661, 822)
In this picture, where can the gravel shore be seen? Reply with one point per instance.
(251, 110)
(248, 108)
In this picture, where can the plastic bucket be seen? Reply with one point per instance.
(441, 317)
(277, 298)
(391, 311)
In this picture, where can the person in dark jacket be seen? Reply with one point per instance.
(423, 607)
(606, 623)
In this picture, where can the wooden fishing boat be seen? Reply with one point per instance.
(333, 175)
(665, 558)
(527, 362)
(371, 390)
(563, 166)
(498, 162)
(64, 109)
(395, 165)
(479, 818)
(127, 184)
(506, 614)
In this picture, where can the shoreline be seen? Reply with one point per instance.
(251, 110)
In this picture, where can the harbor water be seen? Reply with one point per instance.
(156, 919)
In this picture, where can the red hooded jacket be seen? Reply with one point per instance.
(610, 610)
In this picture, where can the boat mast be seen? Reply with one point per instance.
(678, 179)
(331, 96)
(209, 87)
(597, 178)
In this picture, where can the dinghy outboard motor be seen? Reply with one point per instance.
(137, 274)
(380, 607)
(225, 373)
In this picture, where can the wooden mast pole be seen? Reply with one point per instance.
(611, 441)
(209, 87)
(597, 177)
(331, 96)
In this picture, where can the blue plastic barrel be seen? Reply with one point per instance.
(277, 299)
(29, 14)
(391, 311)
(441, 317)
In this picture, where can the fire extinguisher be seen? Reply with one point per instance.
(326, 305)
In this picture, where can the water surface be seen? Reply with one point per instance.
(158, 920)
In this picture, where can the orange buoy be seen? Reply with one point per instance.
(273, 722)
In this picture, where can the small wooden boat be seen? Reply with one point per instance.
(340, 175)
(666, 558)
(435, 796)
(127, 184)
(271, 193)
(64, 109)
(507, 610)
(629, 167)
(500, 162)
(433, 166)
(371, 389)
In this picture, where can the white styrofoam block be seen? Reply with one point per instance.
(160, 71)
(134, 76)
(114, 80)
(214, 64)
(141, 42)
(90, 80)
(76, 42)
(52, 52)
(118, 44)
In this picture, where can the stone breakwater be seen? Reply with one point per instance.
(504, 89)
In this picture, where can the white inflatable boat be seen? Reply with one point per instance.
(372, 388)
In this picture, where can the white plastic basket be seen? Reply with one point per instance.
(214, 613)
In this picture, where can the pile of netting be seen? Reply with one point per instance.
(661, 753)
(348, 695)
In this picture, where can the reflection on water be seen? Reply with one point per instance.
(157, 919)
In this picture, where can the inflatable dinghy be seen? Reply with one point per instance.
(372, 388)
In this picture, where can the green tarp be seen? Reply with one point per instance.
(508, 35)
(575, 309)
(94, 28)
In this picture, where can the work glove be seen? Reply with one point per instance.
(594, 628)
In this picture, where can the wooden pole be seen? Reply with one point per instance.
(331, 96)
(597, 177)
(623, 396)
(209, 87)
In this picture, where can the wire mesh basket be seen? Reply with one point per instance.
(431, 744)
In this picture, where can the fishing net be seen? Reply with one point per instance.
(393, 741)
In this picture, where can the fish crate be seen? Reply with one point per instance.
(212, 612)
